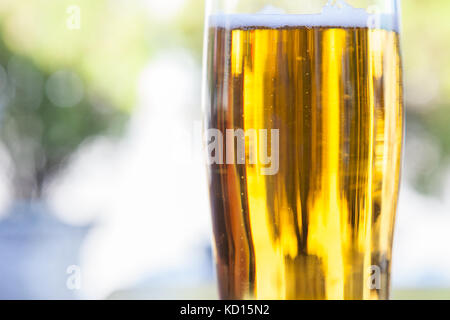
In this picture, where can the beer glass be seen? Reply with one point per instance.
(304, 124)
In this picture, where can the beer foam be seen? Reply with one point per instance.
(342, 15)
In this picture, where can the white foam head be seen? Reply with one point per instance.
(343, 15)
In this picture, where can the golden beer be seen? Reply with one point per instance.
(322, 226)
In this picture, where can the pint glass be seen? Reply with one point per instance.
(304, 120)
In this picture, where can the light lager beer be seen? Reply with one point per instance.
(321, 227)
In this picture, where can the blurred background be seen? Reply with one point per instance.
(97, 98)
